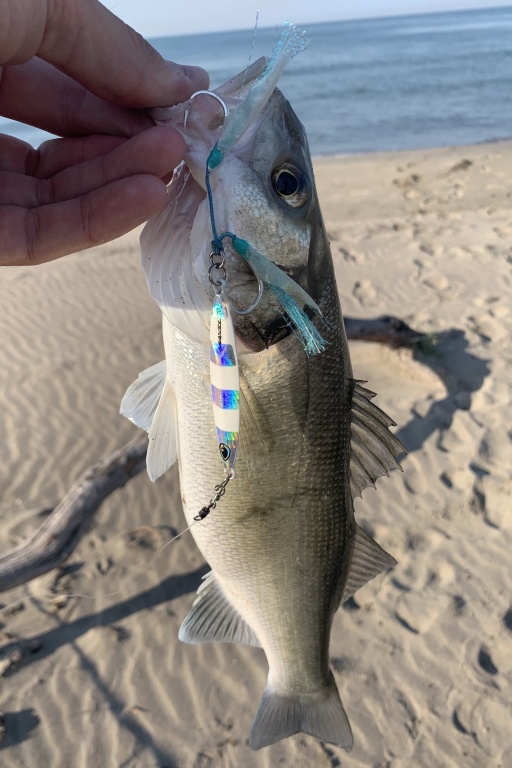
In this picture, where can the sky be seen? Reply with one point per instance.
(160, 18)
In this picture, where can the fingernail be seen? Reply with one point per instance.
(199, 78)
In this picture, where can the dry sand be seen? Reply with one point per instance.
(92, 672)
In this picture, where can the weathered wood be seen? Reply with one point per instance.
(386, 330)
(59, 535)
(56, 539)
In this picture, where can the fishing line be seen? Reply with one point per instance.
(224, 369)
(250, 57)
(139, 578)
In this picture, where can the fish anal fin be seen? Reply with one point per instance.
(368, 560)
(140, 401)
(162, 445)
(213, 618)
(318, 714)
(374, 449)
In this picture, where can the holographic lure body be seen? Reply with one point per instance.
(225, 382)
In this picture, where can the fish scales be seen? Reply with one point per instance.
(283, 544)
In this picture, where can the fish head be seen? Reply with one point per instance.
(263, 192)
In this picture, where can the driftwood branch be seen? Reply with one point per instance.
(59, 535)
(386, 330)
(54, 542)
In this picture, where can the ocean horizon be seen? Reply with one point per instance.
(370, 85)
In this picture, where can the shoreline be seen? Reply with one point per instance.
(416, 150)
(22, 136)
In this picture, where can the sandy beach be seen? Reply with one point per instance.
(92, 674)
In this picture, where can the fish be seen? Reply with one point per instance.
(279, 534)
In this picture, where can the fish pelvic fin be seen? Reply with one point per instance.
(318, 714)
(150, 404)
(163, 443)
(213, 619)
(140, 401)
(368, 560)
(374, 449)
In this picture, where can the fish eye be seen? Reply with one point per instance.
(290, 184)
(286, 184)
(225, 451)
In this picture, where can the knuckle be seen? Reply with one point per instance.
(87, 220)
(33, 253)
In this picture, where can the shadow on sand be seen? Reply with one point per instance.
(19, 725)
(461, 372)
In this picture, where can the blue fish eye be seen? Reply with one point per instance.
(286, 184)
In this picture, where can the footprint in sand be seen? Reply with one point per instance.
(497, 493)
(351, 256)
(436, 281)
(203, 761)
(418, 611)
(487, 328)
(490, 721)
(364, 292)
(485, 661)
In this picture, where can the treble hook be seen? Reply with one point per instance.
(207, 93)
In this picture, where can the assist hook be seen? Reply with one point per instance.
(206, 93)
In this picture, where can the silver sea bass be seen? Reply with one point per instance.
(283, 544)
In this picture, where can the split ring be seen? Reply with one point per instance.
(206, 93)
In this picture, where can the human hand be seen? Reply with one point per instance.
(75, 69)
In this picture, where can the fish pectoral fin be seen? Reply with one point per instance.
(368, 560)
(140, 401)
(319, 714)
(255, 426)
(214, 620)
(162, 445)
(374, 449)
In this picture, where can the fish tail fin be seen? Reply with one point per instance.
(319, 714)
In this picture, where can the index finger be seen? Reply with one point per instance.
(94, 47)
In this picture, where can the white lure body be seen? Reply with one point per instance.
(225, 382)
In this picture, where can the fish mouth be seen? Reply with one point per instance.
(243, 280)
(266, 325)
(257, 337)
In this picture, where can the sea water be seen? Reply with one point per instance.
(377, 84)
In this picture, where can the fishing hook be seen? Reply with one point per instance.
(207, 93)
(252, 307)
(219, 248)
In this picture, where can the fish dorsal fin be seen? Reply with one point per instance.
(140, 401)
(374, 449)
(368, 560)
(213, 619)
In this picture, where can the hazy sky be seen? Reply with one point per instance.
(158, 18)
